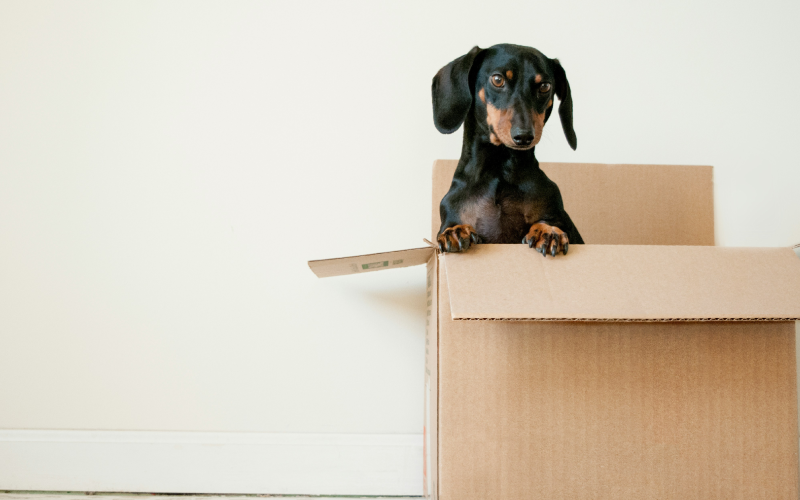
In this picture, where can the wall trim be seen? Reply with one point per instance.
(211, 462)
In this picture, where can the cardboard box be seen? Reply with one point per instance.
(645, 364)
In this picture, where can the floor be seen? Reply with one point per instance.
(28, 495)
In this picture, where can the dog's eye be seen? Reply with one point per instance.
(498, 80)
(545, 87)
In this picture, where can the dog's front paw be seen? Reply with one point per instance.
(457, 238)
(547, 239)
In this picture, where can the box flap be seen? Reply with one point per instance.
(623, 204)
(370, 262)
(625, 283)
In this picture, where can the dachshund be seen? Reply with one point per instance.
(503, 96)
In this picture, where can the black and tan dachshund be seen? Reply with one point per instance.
(503, 95)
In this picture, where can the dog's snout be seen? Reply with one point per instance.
(522, 138)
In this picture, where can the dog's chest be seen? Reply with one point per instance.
(500, 216)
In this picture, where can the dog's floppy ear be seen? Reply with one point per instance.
(565, 108)
(451, 92)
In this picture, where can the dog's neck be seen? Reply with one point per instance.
(479, 156)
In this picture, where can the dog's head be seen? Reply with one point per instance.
(510, 88)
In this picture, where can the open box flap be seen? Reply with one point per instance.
(371, 262)
(625, 283)
(622, 204)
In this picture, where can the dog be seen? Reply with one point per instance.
(503, 96)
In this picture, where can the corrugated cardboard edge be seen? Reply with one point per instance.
(431, 403)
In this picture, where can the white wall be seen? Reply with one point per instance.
(167, 169)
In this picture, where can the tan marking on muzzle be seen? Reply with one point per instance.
(538, 126)
(499, 121)
(492, 138)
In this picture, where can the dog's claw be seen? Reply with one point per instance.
(547, 239)
(457, 238)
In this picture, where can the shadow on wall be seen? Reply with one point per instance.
(409, 301)
(397, 296)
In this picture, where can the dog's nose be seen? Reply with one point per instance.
(523, 139)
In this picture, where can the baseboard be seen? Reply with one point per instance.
(209, 462)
